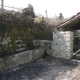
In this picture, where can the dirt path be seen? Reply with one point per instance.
(44, 69)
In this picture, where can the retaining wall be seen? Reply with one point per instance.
(61, 46)
(47, 44)
(20, 58)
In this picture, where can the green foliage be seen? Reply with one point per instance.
(21, 29)
(38, 19)
(29, 11)
(17, 26)
(13, 37)
(40, 31)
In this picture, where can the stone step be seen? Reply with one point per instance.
(75, 60)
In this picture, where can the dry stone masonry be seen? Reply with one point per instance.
(62, 44)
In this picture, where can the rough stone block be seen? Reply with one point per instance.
(37, 53)
(63, 44)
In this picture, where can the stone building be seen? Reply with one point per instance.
(66, 38)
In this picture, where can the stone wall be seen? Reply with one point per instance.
(24, 57)
(62, 44)
(47, 44)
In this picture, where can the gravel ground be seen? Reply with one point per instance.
(44, 69)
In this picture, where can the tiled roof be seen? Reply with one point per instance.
(68, 20)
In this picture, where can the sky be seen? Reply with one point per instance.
(67, 7)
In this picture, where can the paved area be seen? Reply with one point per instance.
(44, 69)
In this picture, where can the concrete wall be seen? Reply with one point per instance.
(62, 44)
(20, 58)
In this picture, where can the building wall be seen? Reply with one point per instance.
(62, 44)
